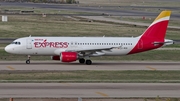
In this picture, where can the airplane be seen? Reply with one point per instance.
(70, 49)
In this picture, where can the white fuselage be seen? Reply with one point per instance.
(56, 45)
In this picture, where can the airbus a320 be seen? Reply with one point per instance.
(69, 49)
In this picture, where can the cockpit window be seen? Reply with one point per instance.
(16, 43)
(13, 43)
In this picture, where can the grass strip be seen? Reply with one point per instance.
(36, 25)
(127, 76)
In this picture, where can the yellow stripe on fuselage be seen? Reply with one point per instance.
(163, 14)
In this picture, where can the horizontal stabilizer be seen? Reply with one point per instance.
(166, 42)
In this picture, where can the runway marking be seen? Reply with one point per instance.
(102, 94)
(151, 68)
(11, 68)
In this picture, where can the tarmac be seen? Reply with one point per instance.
(97, 65)
(88, 90)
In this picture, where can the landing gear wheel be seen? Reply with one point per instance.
(88, 62)
(82, 60)
(27, 61)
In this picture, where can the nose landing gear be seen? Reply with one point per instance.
(28, 60)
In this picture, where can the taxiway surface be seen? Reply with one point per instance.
(97, 65)
(96, 9)
(89, 90)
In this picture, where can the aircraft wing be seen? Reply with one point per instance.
(90, 49)
(86, 50)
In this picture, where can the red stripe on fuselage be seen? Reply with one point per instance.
(155, 33)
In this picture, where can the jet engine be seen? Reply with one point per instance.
(66, 57)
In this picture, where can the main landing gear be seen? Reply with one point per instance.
(88, 61)
(28, 60)
(82, 60)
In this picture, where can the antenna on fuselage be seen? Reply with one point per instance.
(29, 35)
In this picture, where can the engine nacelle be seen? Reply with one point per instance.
(66, 57)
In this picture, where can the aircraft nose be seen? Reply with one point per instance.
(7, 49)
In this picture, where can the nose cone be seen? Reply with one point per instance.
(8, 49)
